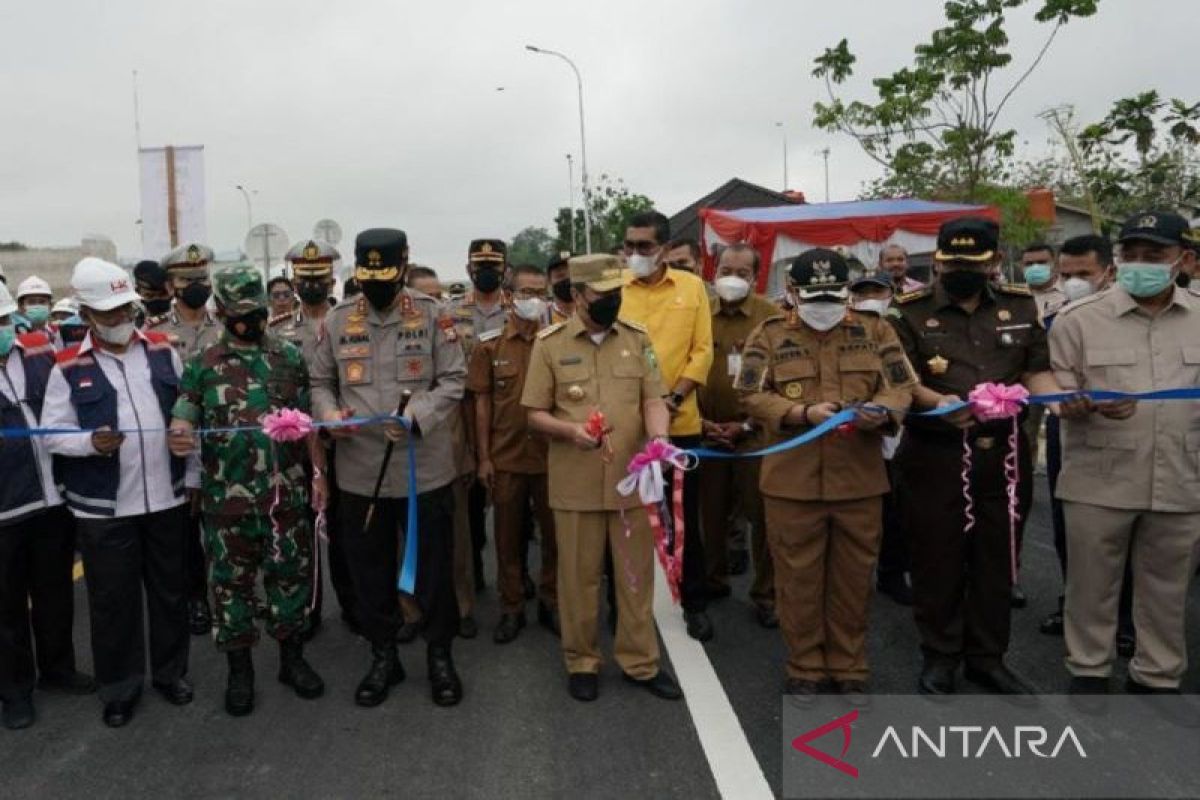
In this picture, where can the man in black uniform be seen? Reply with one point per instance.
(960, 332)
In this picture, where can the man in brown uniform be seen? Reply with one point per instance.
(822, 500)
(512, 461)
(960, 332)
(596, 362)
(727, 486)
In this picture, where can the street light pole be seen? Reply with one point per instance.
(825, 154)
(785, 154)
(249, 212)
(571, 196)
(587, 213)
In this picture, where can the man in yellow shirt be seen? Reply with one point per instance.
(674, 308)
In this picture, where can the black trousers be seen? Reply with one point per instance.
(477, 520)
(373, 557)
(197, 570)
(961, 579)
(37, 606)
(893, 548)
(122, 555)
(693, 589)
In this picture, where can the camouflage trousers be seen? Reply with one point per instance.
(238, 548)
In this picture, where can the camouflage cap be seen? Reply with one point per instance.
(601, 272)
(239, 289)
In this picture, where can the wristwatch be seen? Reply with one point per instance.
(677, 398)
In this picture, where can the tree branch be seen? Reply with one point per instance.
(1025, 75)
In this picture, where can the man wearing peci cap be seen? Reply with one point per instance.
(822, 499)
(1141, 335)
(376, 346)
(959, 332)
(595, 362)
(125, 489)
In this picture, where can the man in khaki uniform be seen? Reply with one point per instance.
(822, 500)
(596, 362)
(727, 486)
(376, 346)
(512, 461)
(1130, 479)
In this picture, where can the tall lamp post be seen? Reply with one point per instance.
(587, 214)
(249, 212)
(571, 200)
(783, 130)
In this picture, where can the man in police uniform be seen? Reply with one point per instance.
(596, 362)
(960, 332)
(376, 346)
(312, 272)
(822, 500)
(190, 328)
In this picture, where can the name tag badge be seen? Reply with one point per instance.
(734, 362)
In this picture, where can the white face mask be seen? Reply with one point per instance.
(530, 309)
(1077, 288)
(873, 304)
(115, 334)
(822, 316)
(642, 266)
(731, 288)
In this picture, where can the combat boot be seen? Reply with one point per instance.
(294, 671)
(386, 671)
(239, 690)
(443, 678)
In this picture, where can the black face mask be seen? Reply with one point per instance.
(963, 284)
(604, 311)
(312, 294)
(160, 306)
(248, 327)
(562, 290)
(380, 294)
(195, 295)
(486, 280)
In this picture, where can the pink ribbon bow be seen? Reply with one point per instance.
(287, 425)
(992, 401)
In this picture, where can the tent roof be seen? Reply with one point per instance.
(848, 210)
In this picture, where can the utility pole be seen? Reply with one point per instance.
(825, 153)
(783, 129)
(571, 195)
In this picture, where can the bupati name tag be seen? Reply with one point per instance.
(1021, 327)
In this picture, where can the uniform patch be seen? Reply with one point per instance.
(354, 351)
(414, 367)
(575, 393)
(570, 360)
(651, 357)
(794, 390)
(897, 371)
(448, 329)
(752, 375)
(356, 372)
(1004, 315)
(856, 331)
(938, 365)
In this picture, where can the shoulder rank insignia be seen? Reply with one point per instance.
(448, 329)
(1016, 288)
(550, 329)
(916, 294)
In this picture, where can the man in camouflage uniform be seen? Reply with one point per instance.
(253, 494)
(190, 328)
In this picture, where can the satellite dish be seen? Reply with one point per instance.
(265, 245)
(328, 230)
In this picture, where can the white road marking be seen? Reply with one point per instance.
(734, 768)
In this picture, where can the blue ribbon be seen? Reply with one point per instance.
(15, 433)
(408, 568)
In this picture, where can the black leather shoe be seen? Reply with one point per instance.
(999, 679)
(766, 616)
(896, 587)
(662, 685)
(937, 678)
(178, 692)
(239, 686)
(444, 682)
(118, 714)
(1052, 624)
(801, 693)
(1088, 694)
(1133, 687)
(1126, 644)
(528, 586)
(18, 713)
(739, 562)
(583, 686)
(548, 619)
(468, 628)
(76, 683)
(855, 693)
(385, 672)
(295, 672)
(199, 617)
(699, 626)
(408, 632)
(510, 625)
(1016, 597)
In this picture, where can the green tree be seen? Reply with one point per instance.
(531, 246)
(935, 126)
(612, 204)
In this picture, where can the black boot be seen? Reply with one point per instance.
(443, 679)
(239, 690)
(294, 671)
(386, 671)
(199, 616)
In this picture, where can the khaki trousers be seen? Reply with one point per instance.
(583, 537)
(1164, 548)
(824, 554)
(464, 563)
(728, 486)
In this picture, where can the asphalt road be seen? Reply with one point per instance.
(516, 734)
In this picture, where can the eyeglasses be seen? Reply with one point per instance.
(642, 248)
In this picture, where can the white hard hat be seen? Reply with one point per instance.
(68, 305)
(7, 304)
(33, 285)
(102, 286)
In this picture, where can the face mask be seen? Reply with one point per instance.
(873, 304)
(1037, 274)
(530, 309)
(731, 288)
(821, 316)
(37, 314)
(1077, 288)
(115, 334)
(248, 327)
(486, 280)
(604, 311)
(1144, 280)
(962, 284)
(562, 290)
(159, 306)
(312, 294)
(380, 294)
(8, 336)
(642, 266)
(195, 295)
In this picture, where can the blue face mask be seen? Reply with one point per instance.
(1144, 280)
(8, 335)
(37, 314)
(1037, 274)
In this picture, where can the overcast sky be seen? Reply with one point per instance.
(386, 113)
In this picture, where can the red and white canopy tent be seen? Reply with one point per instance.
(863, 227)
